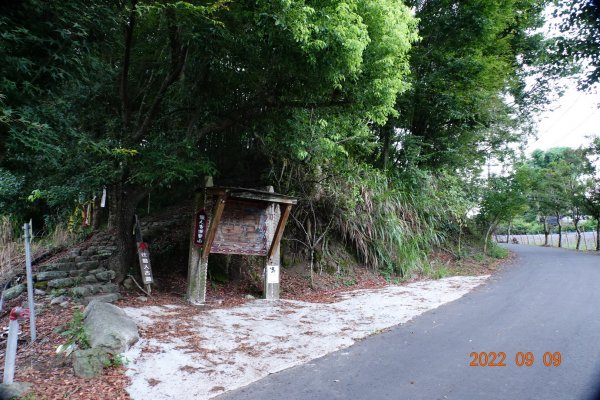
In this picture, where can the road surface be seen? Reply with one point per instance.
(547, 301)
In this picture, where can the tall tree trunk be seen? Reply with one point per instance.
(576, 223)
(546, 232)
(508, 232)
(487, 236)
(559, 230)
(386, 138)
(124, 202)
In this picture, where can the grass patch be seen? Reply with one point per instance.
(496, 251)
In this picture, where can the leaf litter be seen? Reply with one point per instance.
(199, 353)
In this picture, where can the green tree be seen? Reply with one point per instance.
(473, 58)
(580, 39)
(559, 183)
(591, 196)
(49, 53)
(504, 198)
(178, 87)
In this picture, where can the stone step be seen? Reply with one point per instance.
(61, 283)
(14, 291)
(104, 298)
(91, 289)
(50, 275)
(88, 265)
(60, 266)
(78, 273)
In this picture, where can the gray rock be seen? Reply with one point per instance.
(106, 275)
(88, 265)
(40, 292)
(97, 271)
(61, 283)
(109, 288)
(81, 291)
(14, 291)
(142, 299)
(14, 390)
(109, 327)
(65, 266)
(58, 300)
(128, 283)
(77, 273)
(49, 267)
(96, 287)
(75, 252)
(103, 298)
(90, 363)
(249, 297)
(64, 304)
(90, 279)
(49, 275)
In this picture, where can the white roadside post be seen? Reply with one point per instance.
(29, 283)
(11, 344)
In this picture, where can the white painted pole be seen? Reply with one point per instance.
(11, 346)
(29, 284)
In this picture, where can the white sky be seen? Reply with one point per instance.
(571, 118)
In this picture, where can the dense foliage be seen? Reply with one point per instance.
(556, 189)
(377, 114)
(580, 38)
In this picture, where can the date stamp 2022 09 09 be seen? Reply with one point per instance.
(527, 359)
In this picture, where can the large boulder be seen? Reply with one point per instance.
(109, 327)
(89, 363)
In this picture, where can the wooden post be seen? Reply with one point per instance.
(273, 265)
(197, 265)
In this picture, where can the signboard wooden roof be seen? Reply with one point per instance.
(251, 194)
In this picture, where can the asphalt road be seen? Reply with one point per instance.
(546, 300)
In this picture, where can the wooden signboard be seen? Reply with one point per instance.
(242, 228)
(237, 221)
(145, 267)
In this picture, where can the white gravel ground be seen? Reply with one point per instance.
(223, 349)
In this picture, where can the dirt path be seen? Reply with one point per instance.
(189, 353)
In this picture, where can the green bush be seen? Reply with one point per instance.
(496, 251)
